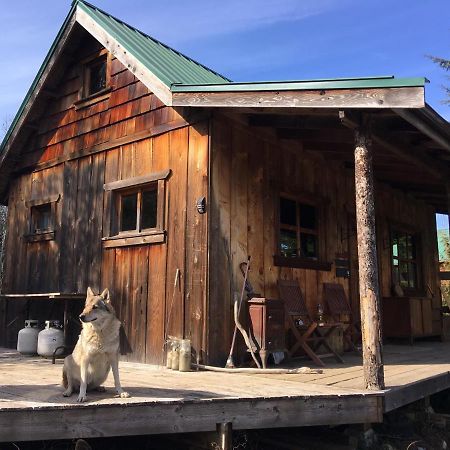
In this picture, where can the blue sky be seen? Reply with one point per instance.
(252, 39)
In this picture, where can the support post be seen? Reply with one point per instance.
(225, 433)
(367, 261)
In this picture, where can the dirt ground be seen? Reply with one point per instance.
(421, 426)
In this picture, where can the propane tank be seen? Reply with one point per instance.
(28, 337)
(50, 339)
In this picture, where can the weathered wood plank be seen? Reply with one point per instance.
(407, 97)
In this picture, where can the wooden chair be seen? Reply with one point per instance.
(340, 310)
(309, 335)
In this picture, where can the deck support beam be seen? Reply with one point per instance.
(367, 259)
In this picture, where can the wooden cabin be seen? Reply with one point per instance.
(133, 167)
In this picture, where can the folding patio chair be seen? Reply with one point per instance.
(309, 335)
(340, 310)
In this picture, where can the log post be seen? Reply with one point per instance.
(367, 261)
(225, 434)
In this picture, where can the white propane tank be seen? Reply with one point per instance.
(50, 339)
(28, 338)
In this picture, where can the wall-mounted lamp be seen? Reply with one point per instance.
(201, 205)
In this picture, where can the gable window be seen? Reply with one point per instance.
(42, 219)
(299, 234)
(95, 76)
(137, 210)
(95, 73)
(405, 259)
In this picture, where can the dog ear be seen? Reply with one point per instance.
(106, 296)
(90, 293)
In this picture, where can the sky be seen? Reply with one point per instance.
(249, 40)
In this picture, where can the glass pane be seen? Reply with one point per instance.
(307, 216)
(396, 275)
(42, 218)
(97, 77)
(288, 243)
(394, 244)
(308, 244)
(412, 275)
(411, 247)
(288, 212)
(402, 246)
(128, 212)
(149, 208)
(403, 274)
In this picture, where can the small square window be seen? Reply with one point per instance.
(95, 75)
(41, 218)
(137, 210)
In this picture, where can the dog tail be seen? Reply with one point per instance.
(65, 382)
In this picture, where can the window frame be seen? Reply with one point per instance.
(84, 97)
(315, 263)
(408, 231)
(49, 233)
(115, 191)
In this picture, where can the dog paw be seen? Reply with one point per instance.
(100, 389)
(123, 394)
(67, 393)
(81, 398)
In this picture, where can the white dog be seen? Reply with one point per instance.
(97, 349)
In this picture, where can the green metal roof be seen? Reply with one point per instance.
(169, 65)
(296, 85)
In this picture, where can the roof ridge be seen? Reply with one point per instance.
(131, 27)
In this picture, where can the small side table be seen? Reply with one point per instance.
(266, 326)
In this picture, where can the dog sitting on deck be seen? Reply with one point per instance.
(97, 349)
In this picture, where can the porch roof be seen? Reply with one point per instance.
(298, 85)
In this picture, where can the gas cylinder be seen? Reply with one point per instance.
(28, 337)
(50, 339)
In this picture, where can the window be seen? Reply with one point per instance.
(137, 210)
(95, 76)
(405, 259)
(298, 229)
(42, 219)
(298, 243)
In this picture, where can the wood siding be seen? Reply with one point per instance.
(249, 169)
(76, 150)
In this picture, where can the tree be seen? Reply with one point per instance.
(444, 64)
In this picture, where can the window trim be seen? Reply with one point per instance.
(44, 235)
(402, 228)
(114, 192)
(320, 263)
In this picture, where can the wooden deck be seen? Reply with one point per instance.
(164, 401)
